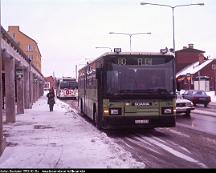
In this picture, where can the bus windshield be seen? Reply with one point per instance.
(68, 85)
(140, 79)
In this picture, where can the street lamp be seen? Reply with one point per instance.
(130, 35)
(172, 7)
(104, 48)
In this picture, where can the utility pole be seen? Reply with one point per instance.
(129, 34)
(76, 72)
(173, 14)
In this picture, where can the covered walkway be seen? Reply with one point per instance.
(21, 84)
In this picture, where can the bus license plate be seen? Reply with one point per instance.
(141, 121)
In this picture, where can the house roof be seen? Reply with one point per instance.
(190, 50)
(194, 68)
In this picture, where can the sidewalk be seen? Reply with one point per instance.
(60, 139)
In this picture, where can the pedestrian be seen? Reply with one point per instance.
(51, 99)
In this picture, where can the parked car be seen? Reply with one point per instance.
(197, 97)
(183, 105)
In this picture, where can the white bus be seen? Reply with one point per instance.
(67, 87)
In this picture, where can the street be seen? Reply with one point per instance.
(191, 144)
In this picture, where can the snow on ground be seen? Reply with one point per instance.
(212, 94)
(60, 139)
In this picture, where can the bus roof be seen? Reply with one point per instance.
(130, 53)
(137, 53)
(67, 79)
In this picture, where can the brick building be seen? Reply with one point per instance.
(186, 56)
(192, 65)
(27, 44)
(51, 81)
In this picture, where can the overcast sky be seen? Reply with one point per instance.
(67, 31)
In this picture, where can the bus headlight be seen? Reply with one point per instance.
(106, 111)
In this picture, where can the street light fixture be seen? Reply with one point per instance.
(130, 35)
(104, 48)
(172, 7)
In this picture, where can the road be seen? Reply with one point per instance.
(191, 144)
(202, 119)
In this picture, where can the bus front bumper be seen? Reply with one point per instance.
(119, 122)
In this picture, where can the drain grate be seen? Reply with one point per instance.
(42, 127)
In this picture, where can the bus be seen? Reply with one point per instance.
(67, 87)
(129, 90)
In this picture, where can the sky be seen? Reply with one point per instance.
(60, 139)
(67, 31)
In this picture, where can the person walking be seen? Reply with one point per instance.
(51, 99)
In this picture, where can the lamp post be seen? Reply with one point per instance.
(130, 35)
(104, 48)
(173, 18)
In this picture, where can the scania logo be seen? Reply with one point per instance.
(142, 104)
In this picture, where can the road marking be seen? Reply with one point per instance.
(174, 152)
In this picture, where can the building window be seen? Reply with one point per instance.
(14, 35)
(29, 48)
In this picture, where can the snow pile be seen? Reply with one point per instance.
(60, 139)
(212, 95)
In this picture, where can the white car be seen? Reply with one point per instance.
(183, 106)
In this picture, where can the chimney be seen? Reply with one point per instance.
(201, 58)
(184, 47)
(191, 46)
(13, 28)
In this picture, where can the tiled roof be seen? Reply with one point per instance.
(193, 68)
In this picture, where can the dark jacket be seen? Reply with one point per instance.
(51, 98)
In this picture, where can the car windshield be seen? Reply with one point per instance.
(68, 85)
(202, 93)
(179, 96)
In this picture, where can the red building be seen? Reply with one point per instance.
(186, 56)
(52, 81)
(192, 65)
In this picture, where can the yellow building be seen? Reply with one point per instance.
(27, 44)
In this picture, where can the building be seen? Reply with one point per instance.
(27, 44)
(186, 56)
(194, 70)
(52, 81)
